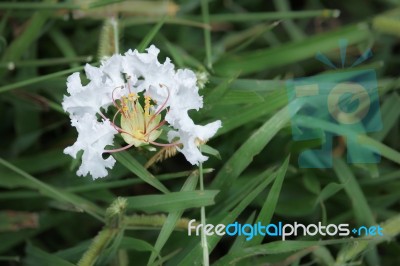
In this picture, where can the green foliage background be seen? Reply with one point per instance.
(49, 216)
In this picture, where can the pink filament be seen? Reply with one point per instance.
(119, 149)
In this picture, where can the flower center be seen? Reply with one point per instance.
(140, 126)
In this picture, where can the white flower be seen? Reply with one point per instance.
(147, 96)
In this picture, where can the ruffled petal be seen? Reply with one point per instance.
(93, 137)
(190, 138)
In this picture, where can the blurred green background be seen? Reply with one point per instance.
(247, 49)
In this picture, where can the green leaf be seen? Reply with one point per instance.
(312, 183)
(131, 243)
(135, 167)
(268, 208)
(391, 229)
(390, 116)
(150, 36)
(241, 97)
(311, 122)
(38, 257)
(173, 201)
(363, 212)
(172, 218)
(292, 52)
(328, 191)
(210, 151)
(249, 113)
(250, 148)
(26, 82)
(240, 241)
(276, 247)
(54, 193)
(361, 209)
(31, 32)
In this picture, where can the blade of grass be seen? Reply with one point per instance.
(34, 80)
(172, 219)
(256, 85)
(235, 42)
(391, 227)
(36, 256)
(255, 16)
(54, 193)
(245, 17)
(135, 167)
(268, 208)
(52, 6)
(240, 241)
(276, 247)
(289, 53)
(390, 116)
(174, 201)
(150, 36)
(19, 46)
(242, 158)
(64, 44)
(207, 33)
(98, 185)
(385, 151)
(236, 195)
(296, 34)
(129, 22)
(276, 100)
(361, 209)
(46, 62)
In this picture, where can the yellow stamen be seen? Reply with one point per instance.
(132, 97)
(147, 105)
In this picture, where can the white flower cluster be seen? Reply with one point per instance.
(119, 78)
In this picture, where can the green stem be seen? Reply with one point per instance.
(11, 65)
(204, 243)
(27, 82)
(114, 24)
(129, 22)
(52, 6)
(102, 239)
(64, 45)
(37, 5)
(207, 32)
(243, 17)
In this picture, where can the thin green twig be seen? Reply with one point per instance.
(204, 243)
(207, 32)
(44, 62)
(31, 81)
(114, 23)
(53, 6)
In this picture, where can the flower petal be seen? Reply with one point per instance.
(93, 137)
